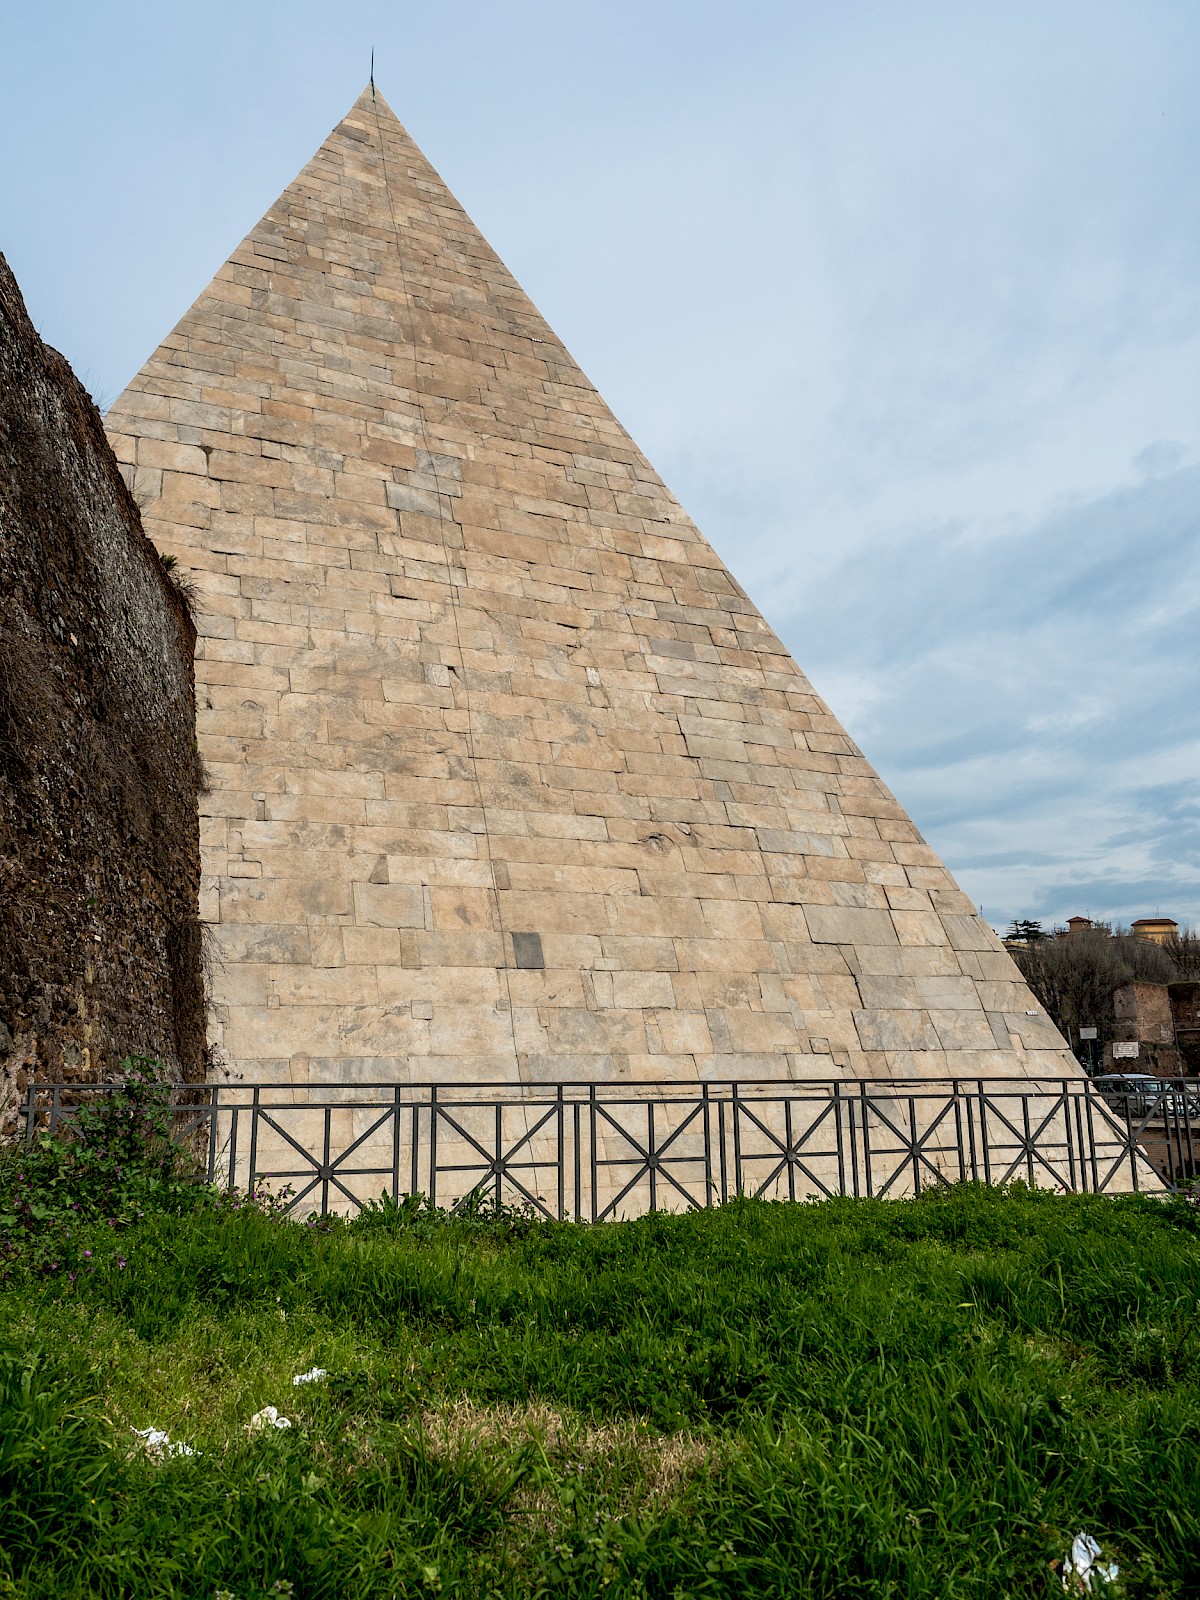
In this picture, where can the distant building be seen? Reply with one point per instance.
(1158, 930)
(1146, 1027)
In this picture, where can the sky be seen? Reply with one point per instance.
(903, 301)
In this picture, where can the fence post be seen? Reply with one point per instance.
(577, 1158)
(1028, 1138)
(866, 1133)
(253, 1137)
(724, 1154)
(912, 1133)
(1130, 1143)
(592, 1140)
(1081, 1143)
(787, 1133)
(213, 1121)
(30, 1111)
(1187, 1125)
(983, 1134)
(1179, 1167)
(396, 1109)
(561, 1147)
(709, 1185)
(1066, 1112)
(1091, 1138)
(231, 1177)
(651, 1166)
(735, 1107)
(433, 1122)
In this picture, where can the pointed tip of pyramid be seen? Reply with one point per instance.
(372, 100)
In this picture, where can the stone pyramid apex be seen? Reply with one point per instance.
(510, 779)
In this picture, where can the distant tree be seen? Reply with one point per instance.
(1075, 977)
(1184, 951)
(1026, 931)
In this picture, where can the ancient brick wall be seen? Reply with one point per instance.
(1143, 1011)
(1185, 1013)
(99, 776)
(1142, 1015)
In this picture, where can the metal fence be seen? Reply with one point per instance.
(600, 1151)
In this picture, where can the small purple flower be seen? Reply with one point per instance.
(121, 1262)
(87, 1255)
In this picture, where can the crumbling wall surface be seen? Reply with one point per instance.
(1185, 1012)
(1142, 1014)
(1143, 1011)
(99, 776)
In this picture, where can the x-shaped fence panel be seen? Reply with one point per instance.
(600, 1151)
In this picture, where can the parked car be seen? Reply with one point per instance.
(1140, 1094)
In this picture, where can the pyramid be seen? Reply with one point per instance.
(510, 781)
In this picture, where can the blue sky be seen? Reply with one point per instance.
(902, 300)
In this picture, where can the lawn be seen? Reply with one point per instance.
(854, 1398)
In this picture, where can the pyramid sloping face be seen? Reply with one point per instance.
(468, 673)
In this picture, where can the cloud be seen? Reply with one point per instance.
(1034, 697)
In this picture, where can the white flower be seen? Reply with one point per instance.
(158, 1443)
(268, 1417)
(315, 1376)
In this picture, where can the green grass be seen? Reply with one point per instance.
(853, 1399)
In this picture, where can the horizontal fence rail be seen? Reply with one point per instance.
(600, 1151)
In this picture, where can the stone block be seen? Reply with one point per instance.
(963, 1030)
(388, 905)
(849, 925)
(896, 1030)
(172, 457)
(683, 1033)
(919, 927)
(636, 991)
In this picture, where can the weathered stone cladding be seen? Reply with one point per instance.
(468, 672)
(99, 852)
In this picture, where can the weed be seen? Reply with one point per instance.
(184, 585)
